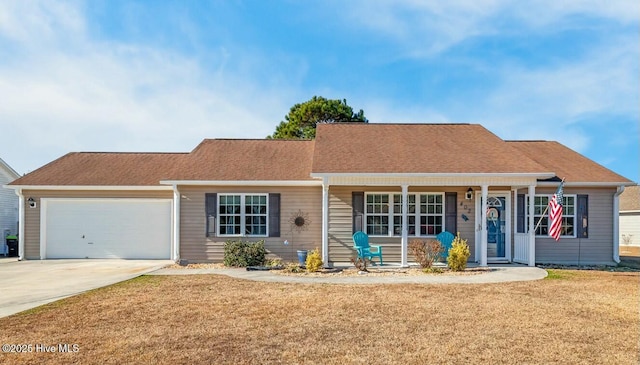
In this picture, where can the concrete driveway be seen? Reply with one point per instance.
(28, 284)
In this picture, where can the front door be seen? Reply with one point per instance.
(498, 226)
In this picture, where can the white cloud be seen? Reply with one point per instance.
(65, 92)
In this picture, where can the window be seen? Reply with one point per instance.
(541, 202)
(383, 214)
(243, 214)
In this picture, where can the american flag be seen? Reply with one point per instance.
(555, 213)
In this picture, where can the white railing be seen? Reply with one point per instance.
(521, 248)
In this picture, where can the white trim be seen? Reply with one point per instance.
(243, 182)
(21, 203)
(43, 228)
(506, 194)
(630, 211)
(435, 174)
(405, 224)
(483, 225)
(89, 187)
(616, 224)
(242, 215)
(585, 184)
(175, 252)
(532, 233)
(325, 222)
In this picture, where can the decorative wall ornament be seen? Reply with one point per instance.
(299, 221)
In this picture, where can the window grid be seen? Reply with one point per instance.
(242, 214)
(384, 214)
(540, 203)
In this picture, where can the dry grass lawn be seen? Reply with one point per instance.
(574, 317)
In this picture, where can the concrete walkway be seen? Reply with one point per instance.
(497, 274)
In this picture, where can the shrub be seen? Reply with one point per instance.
(292, 267)
(314, 261)
(425, 252)
(241, 254)
(458, 254)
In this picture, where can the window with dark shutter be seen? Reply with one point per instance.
(451, 212)
(520, 214)
(211, 209)
(357, 204)
(274, 215)
(582, 224)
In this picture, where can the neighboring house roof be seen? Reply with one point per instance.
(630, 199)
(248, 159)
(100, 168)
(8, 170)
(416, 148)
(567, 163)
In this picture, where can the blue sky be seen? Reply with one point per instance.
(163, 75)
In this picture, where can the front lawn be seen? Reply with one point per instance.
(574, 317)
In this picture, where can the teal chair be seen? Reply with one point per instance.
(361, 244)
(446, 240)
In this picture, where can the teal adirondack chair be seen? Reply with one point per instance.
(446, 239)
(361, 244)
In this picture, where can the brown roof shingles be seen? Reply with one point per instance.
(567, 163)
(416, 148)
(630, 199)
(338, 148)
(248, 159)
(102, 168)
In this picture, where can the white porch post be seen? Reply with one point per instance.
(20, 225)
(483, 225)
(616, 224)
(532, 233)
(175, 255)
(405, 225)
(325, 222)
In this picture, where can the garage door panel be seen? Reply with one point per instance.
(108, 228)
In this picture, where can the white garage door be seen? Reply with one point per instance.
(630, 229)
(106, 228)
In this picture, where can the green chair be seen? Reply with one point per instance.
(446, 240)
(361, 244)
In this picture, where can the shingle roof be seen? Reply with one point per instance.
(102, 168)
(338, 148)
(630, 198)
(248, 159)
(416, 148)
(567, 163)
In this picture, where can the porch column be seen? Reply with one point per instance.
(483, 226)
(532, 232)
(325, 222)
(405, 225)
(175, 255)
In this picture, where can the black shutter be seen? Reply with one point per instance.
(211, 209)
(582, 224)
(451, 212)
(357, 203)
(274, 215)
(520, 228)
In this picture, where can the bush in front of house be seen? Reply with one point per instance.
(425, 252)
(241, 253)
(314, 261)
(458, 254)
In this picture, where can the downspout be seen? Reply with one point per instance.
(616, 224)
(20, 224)
(175, 255)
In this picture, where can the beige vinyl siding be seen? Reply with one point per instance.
(597, 248)
(196, 247)
(32, 215)
(341, 221)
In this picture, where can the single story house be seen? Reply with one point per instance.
(8, 205)
(630, 216)
(396, 182)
